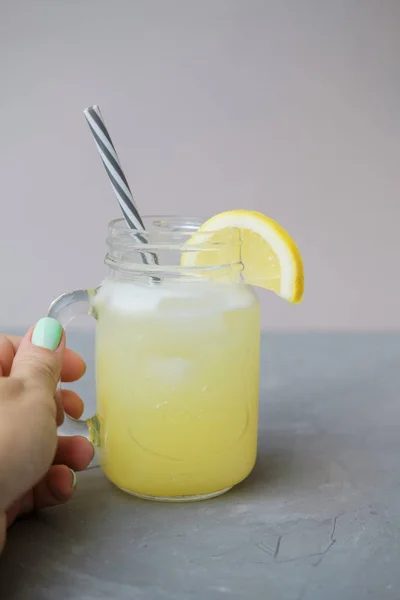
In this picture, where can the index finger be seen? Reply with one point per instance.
(73, 367)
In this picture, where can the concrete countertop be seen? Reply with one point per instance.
(319, 518)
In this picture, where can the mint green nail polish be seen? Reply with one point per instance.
(73, 484)
(47, 333)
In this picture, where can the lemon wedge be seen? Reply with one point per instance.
(269, 256)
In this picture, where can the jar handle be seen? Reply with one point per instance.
(65, 308)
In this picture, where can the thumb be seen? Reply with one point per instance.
(39, 357)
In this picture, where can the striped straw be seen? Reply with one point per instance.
(116, 176)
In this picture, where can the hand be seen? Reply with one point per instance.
(35, 464)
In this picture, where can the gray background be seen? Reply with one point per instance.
(288, 106)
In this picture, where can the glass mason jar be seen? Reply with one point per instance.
(177, 361)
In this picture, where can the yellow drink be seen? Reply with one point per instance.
(177, 348)
(177, 386)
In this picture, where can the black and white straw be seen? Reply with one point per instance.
(116, 175)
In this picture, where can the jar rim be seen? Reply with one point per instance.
(158, 251)
(164, 226)
(169, 231)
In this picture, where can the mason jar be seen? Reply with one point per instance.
(177, 360)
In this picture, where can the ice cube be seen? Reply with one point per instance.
(169, 371)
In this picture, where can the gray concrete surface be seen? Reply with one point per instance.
(317, 520)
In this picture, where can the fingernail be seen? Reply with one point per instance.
(73, 484)
(47, 333)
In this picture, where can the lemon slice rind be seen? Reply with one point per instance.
(275, 237)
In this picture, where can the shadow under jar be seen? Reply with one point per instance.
(177, 361)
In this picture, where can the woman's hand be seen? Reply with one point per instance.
(37, 468)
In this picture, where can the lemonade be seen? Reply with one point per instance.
(177, 386)
(177, 348)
